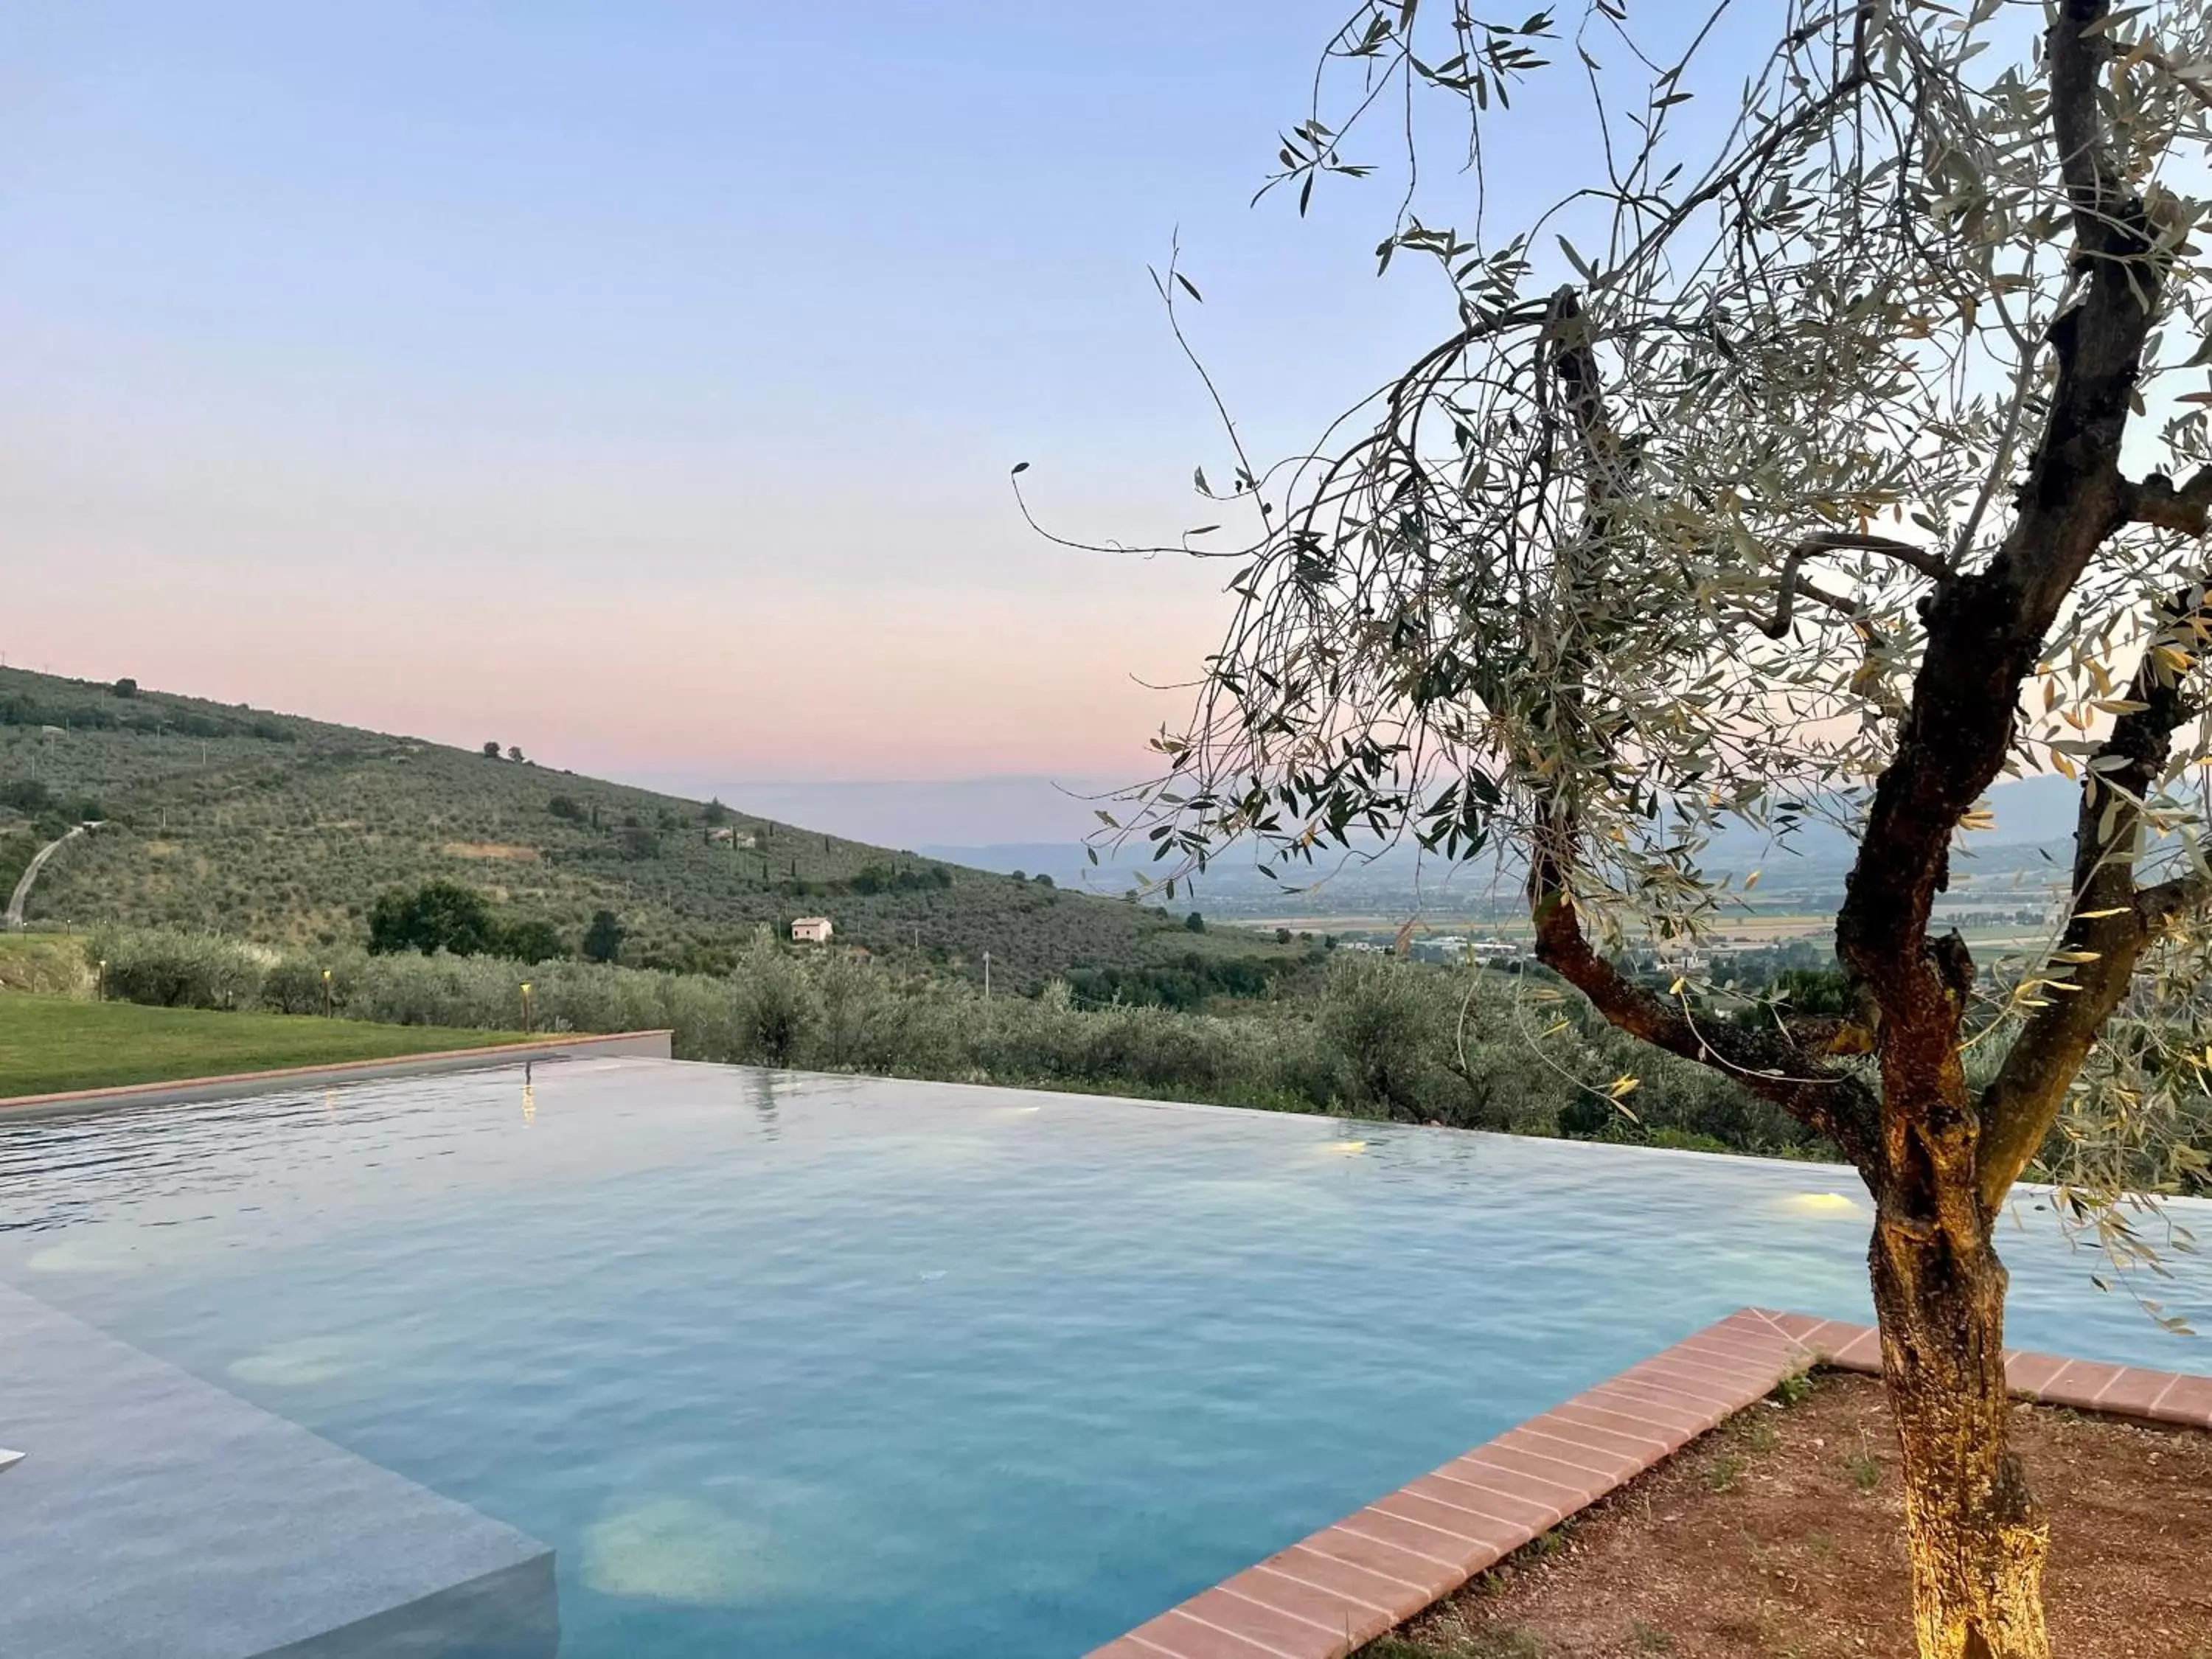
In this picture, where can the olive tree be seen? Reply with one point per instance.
(1835, 452)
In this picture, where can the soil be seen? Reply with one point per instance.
(1780, 1536)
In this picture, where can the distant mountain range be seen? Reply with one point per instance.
(281, 828)
(2031, 813)
(1009, 810)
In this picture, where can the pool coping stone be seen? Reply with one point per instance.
(157, 1515)
(1331, 1594)
(645, 1045)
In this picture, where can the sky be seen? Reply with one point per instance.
(639, 384)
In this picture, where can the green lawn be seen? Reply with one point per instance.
(48, 1044)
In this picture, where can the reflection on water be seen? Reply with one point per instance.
(764, 1086)
(1828, 1206)
(302, 1364)
(679, 1549)
(91, 1254)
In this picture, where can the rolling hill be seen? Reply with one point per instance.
(283, 829)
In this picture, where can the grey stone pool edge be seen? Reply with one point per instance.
(1329, 1594)
(154, 1515)
(640, 1045)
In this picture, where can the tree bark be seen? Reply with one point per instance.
(1975, 1534)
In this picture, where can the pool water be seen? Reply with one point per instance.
(858, 1369)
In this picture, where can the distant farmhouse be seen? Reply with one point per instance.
(727, 836)
(810, 930)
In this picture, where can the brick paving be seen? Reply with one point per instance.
(1330, 1594)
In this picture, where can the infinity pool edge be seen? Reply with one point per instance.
(643, 1045)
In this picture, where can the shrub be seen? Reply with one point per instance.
(172, 970)
(438, 916)
(532, 940)
(603, 939)
(293, 986)
(1382, 1038)
(26, 795)
(1815, 990)
(775, 1003)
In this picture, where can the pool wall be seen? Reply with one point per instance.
(641, 1045)
(1330, 1594)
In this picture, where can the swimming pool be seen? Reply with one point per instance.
(850, 1368)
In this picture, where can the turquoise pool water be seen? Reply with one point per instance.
(851, 1369)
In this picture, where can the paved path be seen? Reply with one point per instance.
(15, 918)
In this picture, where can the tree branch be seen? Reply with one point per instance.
(1928, 564)
(1984, 630)
(2159, 906)
(2157, 500)
(2113, 922)
(1832, 1102)
(2188, 80)
(2079, 47)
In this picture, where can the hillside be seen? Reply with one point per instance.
(282, 829)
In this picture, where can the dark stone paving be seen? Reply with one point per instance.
(155, 1517)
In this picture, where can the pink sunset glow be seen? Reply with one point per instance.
(353, 375)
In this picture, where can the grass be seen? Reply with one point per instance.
(1792, 1390)
(1864, 1469)
(49, 1044)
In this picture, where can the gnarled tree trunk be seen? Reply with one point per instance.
(1975, 1534)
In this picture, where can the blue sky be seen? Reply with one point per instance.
(638, 383)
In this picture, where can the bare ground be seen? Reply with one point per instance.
(1779, 1536)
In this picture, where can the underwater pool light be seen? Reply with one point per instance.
(1822, 1203)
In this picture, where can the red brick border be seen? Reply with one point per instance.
(2177, 1399)
(1350, 1583)
(180, 1090)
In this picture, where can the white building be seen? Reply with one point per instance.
(810, 930)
